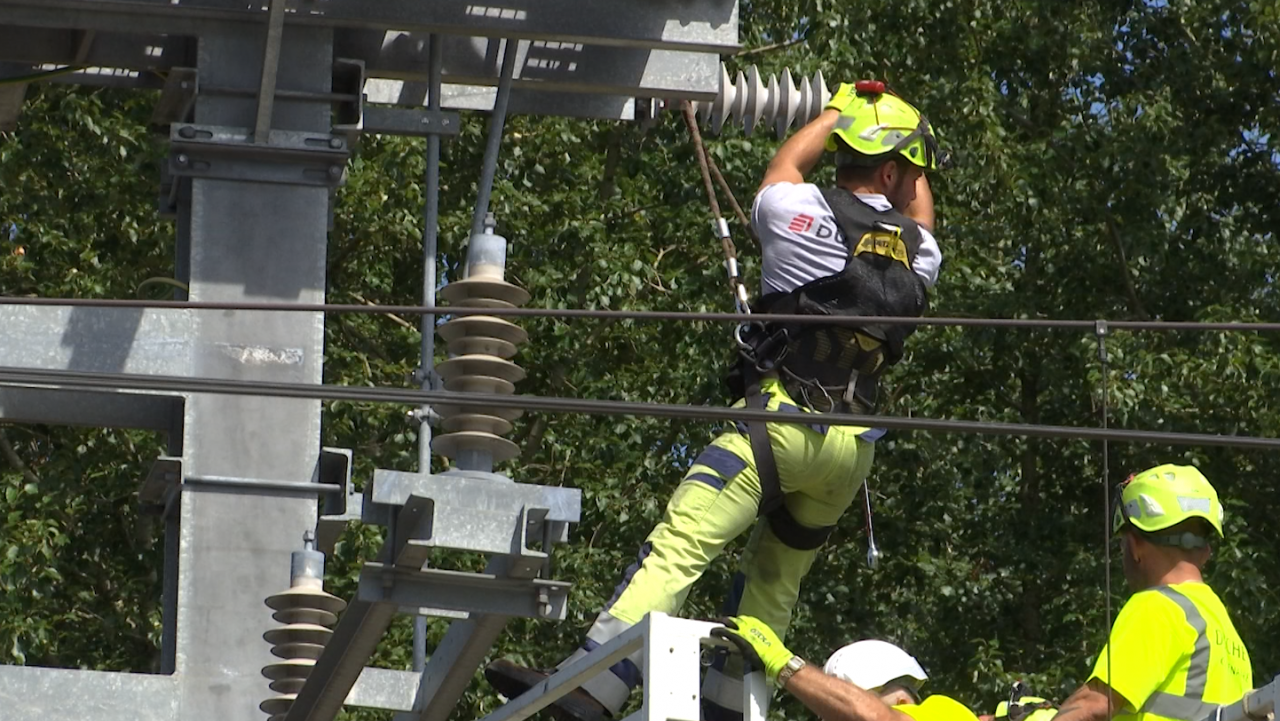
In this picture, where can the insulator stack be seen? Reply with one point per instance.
(754, 100)
(480, 348)
(308, 613)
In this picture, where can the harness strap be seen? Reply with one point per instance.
(784, 525)
(793, 534)
(761, 448)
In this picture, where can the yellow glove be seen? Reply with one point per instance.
(842, 98)
(760, 646)
(848, 92)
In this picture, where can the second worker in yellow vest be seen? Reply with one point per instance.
(1173, 654)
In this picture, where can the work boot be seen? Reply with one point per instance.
(512, 680)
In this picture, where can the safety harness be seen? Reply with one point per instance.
(813, 360)
(832, 367)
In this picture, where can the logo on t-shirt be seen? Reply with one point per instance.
(801, 223)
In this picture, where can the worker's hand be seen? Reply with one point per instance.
(842, 97)
(760, 646)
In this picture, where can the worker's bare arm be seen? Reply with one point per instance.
(833, 699)
(1089, 703)
(802, 151)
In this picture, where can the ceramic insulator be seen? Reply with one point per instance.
(480, 348)
(308, 613)
(753, 100)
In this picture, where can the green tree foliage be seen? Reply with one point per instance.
(1115, 161)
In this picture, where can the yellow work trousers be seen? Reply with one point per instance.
(820, 470)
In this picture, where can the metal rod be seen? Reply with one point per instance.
(281, 94)
(413, 396)
(301, 487)
(494, 142)
(430, 240)
(270, 71)
(647, 315)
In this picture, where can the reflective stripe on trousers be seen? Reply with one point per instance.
(1189, 706)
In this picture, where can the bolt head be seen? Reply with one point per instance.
(335, 171)
(335, 143)
(182, 159)
(187, 131)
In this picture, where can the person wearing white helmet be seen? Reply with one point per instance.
(864, 681)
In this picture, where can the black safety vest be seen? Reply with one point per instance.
(877, 280)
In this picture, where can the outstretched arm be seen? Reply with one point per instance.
(834, 699)
(802, 151)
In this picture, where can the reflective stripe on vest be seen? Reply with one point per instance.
(1190, 705)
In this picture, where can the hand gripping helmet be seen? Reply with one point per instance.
(875, 126)
(872, 664)
(1163, 497)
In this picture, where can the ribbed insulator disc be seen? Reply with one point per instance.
(278, 704)
(317, 616)
(298, 633)
(461, 292)
(451, 445)
(507, 414)
(289, 668)
(304, 597)
(480, 384)
(288, 686)
(297, 650)
(480, 345)
(477, 422)
(480, 365)
(483, 325)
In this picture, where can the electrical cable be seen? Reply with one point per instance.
(42, 75)
(1100, 331)
(644, 315)
(175, 384)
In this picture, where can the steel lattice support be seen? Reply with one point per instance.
(262, 103)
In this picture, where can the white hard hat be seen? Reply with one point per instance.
(872, 664)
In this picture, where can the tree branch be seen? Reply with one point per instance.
(1135, 304)
(11, 455)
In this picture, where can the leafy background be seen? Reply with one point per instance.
(1117, 160)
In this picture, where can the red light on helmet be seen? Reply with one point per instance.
(869, 87)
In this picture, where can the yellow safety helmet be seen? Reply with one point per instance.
(1163, 497)
(876, 125)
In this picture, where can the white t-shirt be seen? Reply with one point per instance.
(800, 240)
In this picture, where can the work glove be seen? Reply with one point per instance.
(848, 92)
(760, 646)
(842, 97)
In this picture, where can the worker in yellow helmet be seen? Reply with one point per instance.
(1174, 654)
(862, 248)
(868, 680)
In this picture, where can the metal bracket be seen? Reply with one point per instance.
(225, 153)
(348, 80)
(181, 86)
(337, 510)
(428, 590)
(418, 122)
(165, 473)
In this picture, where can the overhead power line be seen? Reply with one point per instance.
(173, 384)
(646, 315)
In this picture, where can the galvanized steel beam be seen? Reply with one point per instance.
(55, 694)
(698, 25)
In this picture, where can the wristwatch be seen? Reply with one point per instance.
(795, 664)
